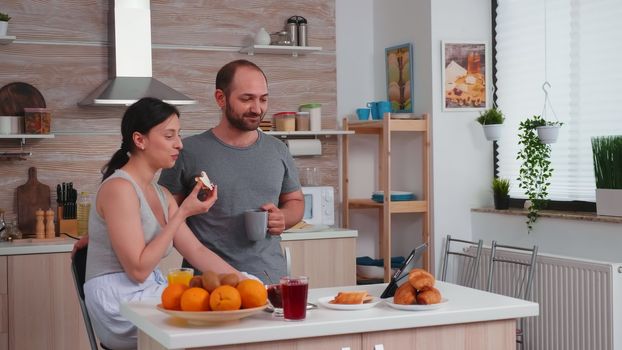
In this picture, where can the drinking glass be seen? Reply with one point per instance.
(181, 275)
(275, 299)
(294, 292)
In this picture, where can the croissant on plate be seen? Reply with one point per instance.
(354, 297)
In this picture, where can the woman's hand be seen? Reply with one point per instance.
(192, 205)
(81, 243)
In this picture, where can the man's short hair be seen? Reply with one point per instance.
(227, 73)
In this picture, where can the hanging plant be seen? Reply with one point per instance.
(492, 121)
(535, 170)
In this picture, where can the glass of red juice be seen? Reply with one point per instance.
(294, 292)
(274, 297)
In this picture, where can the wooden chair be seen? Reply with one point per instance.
(459, 254)
(513, 276)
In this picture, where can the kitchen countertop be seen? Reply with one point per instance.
(63, 245)
(465, 305)
(37, 246)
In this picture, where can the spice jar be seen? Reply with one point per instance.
(285, 121)
(37, 120)
(315, 112)
(302, 121)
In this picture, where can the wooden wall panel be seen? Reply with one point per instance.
(58, 20)
(62, 50)
(234, 22)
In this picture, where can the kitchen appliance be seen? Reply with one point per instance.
(132, 72)
(319, 205)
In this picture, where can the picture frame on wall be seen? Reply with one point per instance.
(399, 65)
(464, 76)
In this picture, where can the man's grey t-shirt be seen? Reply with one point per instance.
(246, 177)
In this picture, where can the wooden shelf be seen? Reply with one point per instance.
(309, 133)
(5, 40)
(280, 50)
(376, 126)
(383, 129)
(26, 136)
(396, 206)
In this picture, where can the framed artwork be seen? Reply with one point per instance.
(464, 76)
(400, 78)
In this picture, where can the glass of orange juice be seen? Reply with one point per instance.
(181, 275)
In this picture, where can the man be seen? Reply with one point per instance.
(252, 170)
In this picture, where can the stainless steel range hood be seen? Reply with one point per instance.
(132, 70)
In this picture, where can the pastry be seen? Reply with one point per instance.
(405, 295)
(420, 278)
(354, 297)
(205, 181)
(428, 295)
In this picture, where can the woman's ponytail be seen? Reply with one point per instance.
(118, 159)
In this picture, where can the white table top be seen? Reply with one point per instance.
(465, 305)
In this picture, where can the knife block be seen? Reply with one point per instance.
(69, 226)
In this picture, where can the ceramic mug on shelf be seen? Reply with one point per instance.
(362, 113)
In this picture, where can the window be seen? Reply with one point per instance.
(583, 56)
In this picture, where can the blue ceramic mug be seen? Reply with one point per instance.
(362, 113)
(383, 107)
(373, 106)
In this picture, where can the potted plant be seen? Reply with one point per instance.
(492, 121)
(607, 153)
(547, 130)
(535, 170)
(4, 23)
(501, 193)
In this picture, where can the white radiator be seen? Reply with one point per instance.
(580, 302)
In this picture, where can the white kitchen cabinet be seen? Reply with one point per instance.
(43, 304)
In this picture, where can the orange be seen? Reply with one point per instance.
(195, 299)
(253, 293)
(225, 298)
(171, 296)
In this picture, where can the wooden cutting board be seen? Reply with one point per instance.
(31, 196)
(14, 97)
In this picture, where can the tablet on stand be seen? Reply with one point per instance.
(403, 271)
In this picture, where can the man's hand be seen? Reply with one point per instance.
(276, 219)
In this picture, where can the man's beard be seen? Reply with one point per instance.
(241, 122)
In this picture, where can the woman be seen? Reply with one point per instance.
(135, 222)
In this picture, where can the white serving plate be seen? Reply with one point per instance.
(417, 307)
(209, 317)
(325, 302)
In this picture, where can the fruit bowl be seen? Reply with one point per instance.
(207, 317)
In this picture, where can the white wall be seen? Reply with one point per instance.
(462, 160)
(575, 238)
(463, 165)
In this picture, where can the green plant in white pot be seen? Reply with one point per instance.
(607, 153)
(4, 23)
(535, 169)
(492, 122)
(548, 131)
(501, 193)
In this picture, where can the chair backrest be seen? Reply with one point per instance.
(464, 257)
(512, 269)
(78, 269)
